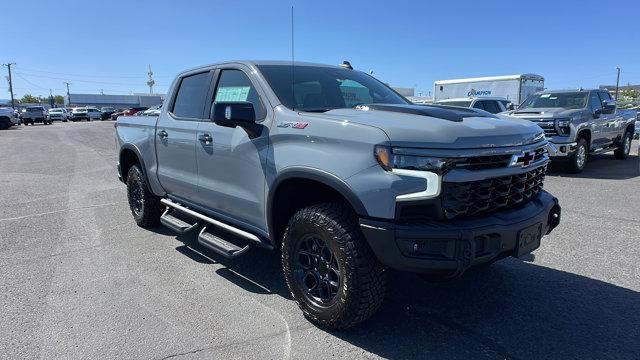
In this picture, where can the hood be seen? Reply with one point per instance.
(423, 127)
(7, 112)
(544, 113)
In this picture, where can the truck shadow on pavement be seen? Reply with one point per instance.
(511, 310)
(603, 166)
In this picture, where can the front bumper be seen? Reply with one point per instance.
(559, 150)
(448, 248)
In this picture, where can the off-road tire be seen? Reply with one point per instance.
(623, 151)
(362, 277)
(147, 212)
(573, 163)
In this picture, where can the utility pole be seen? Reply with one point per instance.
(150, 82)
(13, 102)
(617, 82)
(51, 102)
(68, 95)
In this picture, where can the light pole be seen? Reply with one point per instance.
(68, 95)
(8, 65)
(617, 82)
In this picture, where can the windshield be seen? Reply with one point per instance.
(455, 103)
(319, 88)
(569, 100)
(55, 110)
(35, 108)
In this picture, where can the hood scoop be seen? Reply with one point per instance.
(441, 112)
(527, 112)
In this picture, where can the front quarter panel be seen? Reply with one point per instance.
(339, 149)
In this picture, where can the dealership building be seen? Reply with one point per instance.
(115, 101)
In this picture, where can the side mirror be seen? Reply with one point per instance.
(597, 113)
(234, 114)
(609, 106)
(511, 107)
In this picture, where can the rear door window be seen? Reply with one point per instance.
(190, 98)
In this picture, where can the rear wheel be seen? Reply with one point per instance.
(623, 151)
(331, 272)
(578, 160)
(145, 206)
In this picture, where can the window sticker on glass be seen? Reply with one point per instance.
(233, 93)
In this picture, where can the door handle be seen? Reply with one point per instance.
(162, 134)
(205, 138)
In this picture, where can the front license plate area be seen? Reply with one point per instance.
(529, 239)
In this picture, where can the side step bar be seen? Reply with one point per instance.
(219, 245)
(178, 225)
(221, 225)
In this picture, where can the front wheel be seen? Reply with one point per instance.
(145, 206)
(578, 160)
(623, 151)
(330, 270)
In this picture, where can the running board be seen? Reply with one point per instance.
(232, 229)
(219, 245)
(176, 224)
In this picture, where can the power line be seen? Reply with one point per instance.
(84, 81)
(92, 76)
(30, 83)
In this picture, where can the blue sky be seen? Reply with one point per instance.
(108, 44)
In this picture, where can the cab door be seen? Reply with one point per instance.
(176, 136)
(601, 122)
(231, 165)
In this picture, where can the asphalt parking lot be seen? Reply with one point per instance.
(81, 280)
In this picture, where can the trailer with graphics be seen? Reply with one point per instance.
(515, 88)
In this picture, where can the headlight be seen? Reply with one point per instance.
(429, 169)
(563, 126)
(389, 161)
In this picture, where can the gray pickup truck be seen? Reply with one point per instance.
(578, 123)
(340, 174)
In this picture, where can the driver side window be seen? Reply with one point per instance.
(594, 101)
(235, 86)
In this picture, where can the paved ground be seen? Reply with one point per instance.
(80, 279)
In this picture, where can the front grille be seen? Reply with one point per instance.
(474, 197)
(548, 126)
(482, 162)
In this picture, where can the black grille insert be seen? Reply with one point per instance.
(470, 198)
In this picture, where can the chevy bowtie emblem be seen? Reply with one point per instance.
(524, 159)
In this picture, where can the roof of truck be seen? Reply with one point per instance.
(490, 78)
(263, 62)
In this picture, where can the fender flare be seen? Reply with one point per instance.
(140, 160)
(321, 176)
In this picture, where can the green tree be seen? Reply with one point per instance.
(630, 94)
(28, 98)
(59, 99)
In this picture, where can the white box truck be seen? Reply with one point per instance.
(515, 88)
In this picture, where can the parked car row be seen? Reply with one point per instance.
(39, 114)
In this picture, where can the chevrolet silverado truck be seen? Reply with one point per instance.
(339, 173)
(580, 123)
